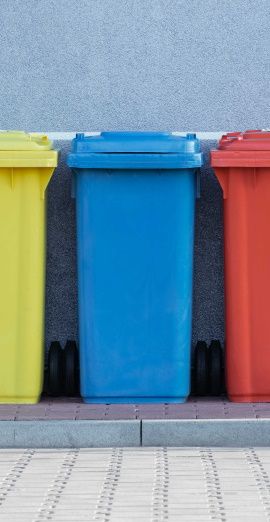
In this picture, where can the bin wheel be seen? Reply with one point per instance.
(71, 365)
(215, 368)
(201, 368)
(55, 369)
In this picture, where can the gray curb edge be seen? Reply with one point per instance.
(209, 432)
(134, 433)
(69, 434)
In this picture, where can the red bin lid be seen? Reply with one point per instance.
(244, 149)
(248, 140)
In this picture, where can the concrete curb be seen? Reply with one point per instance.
(135, 433)
(210, 432)
(70, 434)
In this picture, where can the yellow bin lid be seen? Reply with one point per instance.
(20, 149)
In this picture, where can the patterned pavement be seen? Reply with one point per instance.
(146, 485)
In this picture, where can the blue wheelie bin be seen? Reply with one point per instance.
(135, 206)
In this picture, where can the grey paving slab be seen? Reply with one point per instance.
(232, 433)
(69, 434)
(146, 484)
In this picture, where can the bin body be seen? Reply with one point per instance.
(26, 165)
(242, 165)
(135, 233)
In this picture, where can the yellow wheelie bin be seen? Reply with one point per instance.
(27, 162)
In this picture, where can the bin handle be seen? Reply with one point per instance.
(222, 176)
(45, 176)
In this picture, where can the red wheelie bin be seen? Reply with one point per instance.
(242, 166)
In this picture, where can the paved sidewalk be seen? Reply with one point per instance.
(69, 423)
(146, 485)
(74, 409)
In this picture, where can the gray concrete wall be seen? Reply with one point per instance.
(134, 64)
(195, 65)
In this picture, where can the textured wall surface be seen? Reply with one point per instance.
(134, 64)
(61, 294)
(195, 65)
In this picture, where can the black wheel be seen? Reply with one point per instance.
(201, 368)
(215, 368)
(71, 365)
(55, 369)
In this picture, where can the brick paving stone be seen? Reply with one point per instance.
(123, 407)
(92, 407)
(117, 416)
(151, 407)
(178, 415)
(91, 415)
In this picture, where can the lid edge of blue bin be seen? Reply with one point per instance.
(135, 161)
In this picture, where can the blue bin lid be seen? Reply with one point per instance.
(135, 150)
